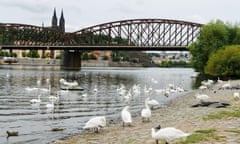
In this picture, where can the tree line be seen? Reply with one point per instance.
(217, 50)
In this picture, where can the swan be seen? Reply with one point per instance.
(227, 85)
(96, 123)
(153, 102)
(168, 134)
(126, 115)
(36, 100)
(95, 89)
(146, 112)
(236, 96)
(50, 105)
(54, 98)
(202, 97)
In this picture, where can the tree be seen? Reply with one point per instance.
(225, 62)
(213, 36)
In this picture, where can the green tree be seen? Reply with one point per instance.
(213, 36)
(225, 62)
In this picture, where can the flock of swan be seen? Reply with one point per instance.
(167, 134)
(53, 99)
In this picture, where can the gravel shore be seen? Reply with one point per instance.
(178, 114)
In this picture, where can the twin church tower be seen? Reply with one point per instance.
(61, 26)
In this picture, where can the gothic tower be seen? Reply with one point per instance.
(54, 19)
(62, 23)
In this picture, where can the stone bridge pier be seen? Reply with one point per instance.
(71, 60)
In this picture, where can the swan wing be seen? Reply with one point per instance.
(126, 116)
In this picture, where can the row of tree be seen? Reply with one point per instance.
(217, 50)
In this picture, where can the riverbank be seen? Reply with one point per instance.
(178, 114)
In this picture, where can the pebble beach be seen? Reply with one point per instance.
(180, 114)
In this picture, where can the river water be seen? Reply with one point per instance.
(35, 122)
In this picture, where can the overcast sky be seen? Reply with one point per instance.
(84, 13)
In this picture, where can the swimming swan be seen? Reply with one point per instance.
(96, 123)
(126, 116)
(168, 134)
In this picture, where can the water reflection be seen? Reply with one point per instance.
(36, 121)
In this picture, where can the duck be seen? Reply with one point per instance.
(146, 112)
(126, 116)
(168, 134)
(96, 123)
(12, 133)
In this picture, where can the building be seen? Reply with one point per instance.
(54, 25)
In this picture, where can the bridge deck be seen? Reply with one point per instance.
(104, 47)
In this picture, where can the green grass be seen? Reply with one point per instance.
(223, 115)
(233, 131)
(201, 135)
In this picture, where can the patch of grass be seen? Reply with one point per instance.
(200, 135)
(233, 131)
(223, 115)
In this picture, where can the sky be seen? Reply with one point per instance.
(80, 14)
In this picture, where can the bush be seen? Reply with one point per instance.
(225, 62)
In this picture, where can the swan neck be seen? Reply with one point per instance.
(146, 104)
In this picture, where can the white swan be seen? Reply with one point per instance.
(36, 100)
(50, 105)
(146, 112)
(54, 98)
(236, 96)
(152, 103)
(168, 134)
(126, 116)
(95, 90)
(202, 97)
(96, 123)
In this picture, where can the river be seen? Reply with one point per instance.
(35, 122)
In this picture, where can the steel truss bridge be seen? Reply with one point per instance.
(133, 34)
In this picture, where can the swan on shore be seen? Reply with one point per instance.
(236, 96)
(202, 97)
(96, 123)
(168, 134)
(126, 116)
(146, 112)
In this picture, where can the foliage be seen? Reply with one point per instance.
(223, 115)
(201, 135)
(33, 54)
(213, 36)
(85, 56)
(4, 53)
(174, 64)
(92, 56)
(225, 62)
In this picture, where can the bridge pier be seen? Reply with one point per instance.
(71, 60)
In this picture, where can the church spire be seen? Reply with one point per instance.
(54, 19)
(62, 22)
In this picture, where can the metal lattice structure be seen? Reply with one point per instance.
(142, 33)
(30, 35)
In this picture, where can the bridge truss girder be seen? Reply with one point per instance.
(141, 32)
